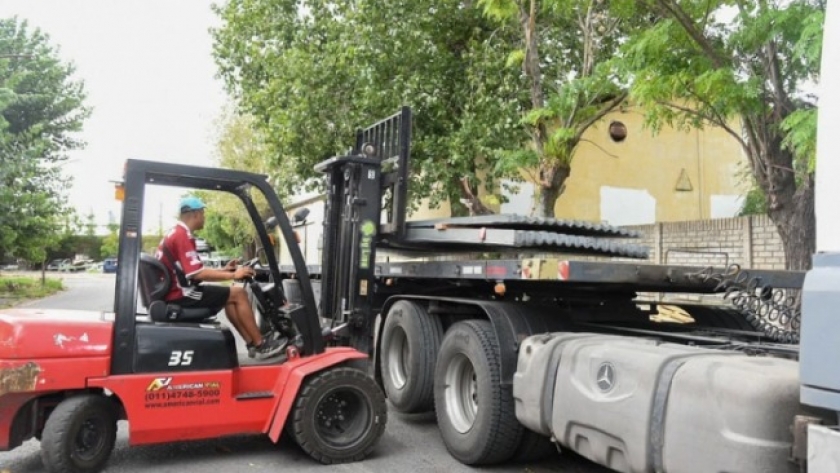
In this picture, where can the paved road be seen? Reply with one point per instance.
(410, 444)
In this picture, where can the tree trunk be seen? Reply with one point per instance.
(471, 200)
(551, 187)
(796, 222)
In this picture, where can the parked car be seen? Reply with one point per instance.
(56, 264)
(109, 265)
(75, 267)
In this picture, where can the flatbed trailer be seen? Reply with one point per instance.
(542, 342)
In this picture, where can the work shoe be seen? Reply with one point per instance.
(270, 348)
(272, 335)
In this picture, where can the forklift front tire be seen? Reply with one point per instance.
(79, 435)
(339, 416)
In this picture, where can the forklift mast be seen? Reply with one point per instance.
(366, 202)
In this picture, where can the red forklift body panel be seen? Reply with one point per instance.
(30, 334)
(167, 407)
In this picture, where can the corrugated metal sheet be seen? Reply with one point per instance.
(522, 222)
(459, 239)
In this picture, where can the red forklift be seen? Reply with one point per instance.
(67, 377)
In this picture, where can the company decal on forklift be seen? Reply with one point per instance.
(368, 231)
(181, 358)
(164, 393)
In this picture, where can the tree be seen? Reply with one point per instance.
(41, 109)
(741, 66)
(311, 75)
(242, 146)
(111, 241)
(566, 52)
(90, 224)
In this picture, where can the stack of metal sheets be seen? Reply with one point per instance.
(516, 232)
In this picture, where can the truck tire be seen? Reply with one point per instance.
(410, 343)
(79, 435)
(475, 413)
(339, 415)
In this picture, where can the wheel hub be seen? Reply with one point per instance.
(342, 417)
(398, 355)
(89, 439)
(461, 393)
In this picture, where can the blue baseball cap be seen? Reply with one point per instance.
(191, 203)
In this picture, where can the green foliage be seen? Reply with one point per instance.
(745, 67)
(241, 145)
(41, 109)
(150, 243)
(800, 128)
(14, 290)
(310, 79)
(565, 49)
(110, 242)
(755, 203)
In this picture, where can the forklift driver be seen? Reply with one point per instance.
(177, 251)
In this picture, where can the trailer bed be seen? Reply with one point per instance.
(568, 272)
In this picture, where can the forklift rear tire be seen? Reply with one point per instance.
(339, 416)
(79, 435)
(410, 343)
(475, 412)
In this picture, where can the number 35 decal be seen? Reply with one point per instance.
(181, 358)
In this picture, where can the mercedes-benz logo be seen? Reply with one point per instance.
(605, 377)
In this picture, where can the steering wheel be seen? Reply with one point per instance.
(252, 262)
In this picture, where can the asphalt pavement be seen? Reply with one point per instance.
(411, 443)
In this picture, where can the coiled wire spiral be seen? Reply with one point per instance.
(776, 312)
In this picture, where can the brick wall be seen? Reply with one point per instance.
(752, 242)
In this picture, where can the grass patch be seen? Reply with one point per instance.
(14, 290)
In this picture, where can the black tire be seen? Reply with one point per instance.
(339, 416)
(79, 435)
(410, 343)
(475, 413)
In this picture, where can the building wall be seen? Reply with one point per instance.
(751, 242)
(671, 176)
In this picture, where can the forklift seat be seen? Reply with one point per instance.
(154, 284)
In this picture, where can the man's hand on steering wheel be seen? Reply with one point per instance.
(231, 265)
(244, 272)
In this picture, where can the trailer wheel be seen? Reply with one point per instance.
(410, 343)
(79, 435)
(339, 416)
(475, 413)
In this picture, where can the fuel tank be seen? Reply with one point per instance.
(640, 405)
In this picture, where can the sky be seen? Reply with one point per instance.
(150, 78)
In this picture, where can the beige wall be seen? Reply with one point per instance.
(635, 181)
(751, 242)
